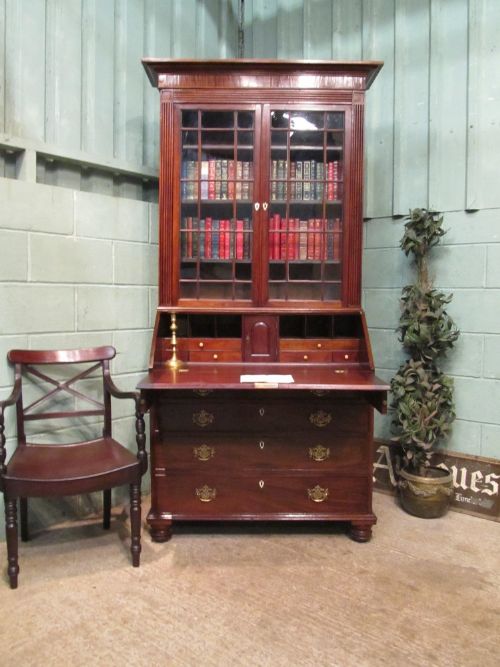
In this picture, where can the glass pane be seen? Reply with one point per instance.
(217, 119)
(278, 139)
(280, 119)
(306, 120)
(245, 138)
(245, 119)
(216, 138)
(306, 139)
(335, 120)
(190, 118)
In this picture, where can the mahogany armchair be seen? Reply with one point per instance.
(37, 470)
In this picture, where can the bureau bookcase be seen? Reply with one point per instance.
(260, 242)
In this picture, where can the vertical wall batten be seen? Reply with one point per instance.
(97, 77)
(346, 30)
(2, 67)
(290, 29)
(447, 105)
(128, 78)
(378, 44)
(157, 43)
(317, 30)
(484, 105)
(411, 92)
(25, 68)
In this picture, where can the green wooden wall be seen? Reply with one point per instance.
(78, 164)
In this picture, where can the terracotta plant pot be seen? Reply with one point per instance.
(427, 495)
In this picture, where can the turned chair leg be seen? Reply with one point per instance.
(23, 504)
(12, 539)
(135, 523)
(106, 507)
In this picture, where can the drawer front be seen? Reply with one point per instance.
(266, 416)
(309, 451)
(214, 355)
(198, 496)
(210, 344)
(305, 356)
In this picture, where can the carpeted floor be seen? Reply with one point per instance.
(420, 593)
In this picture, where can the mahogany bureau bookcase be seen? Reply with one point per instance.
(260, 275)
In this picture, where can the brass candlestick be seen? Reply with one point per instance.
(173, 362)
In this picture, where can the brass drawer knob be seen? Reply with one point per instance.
(203, 418)
(306, 357)
(204, 452)
(320, 418)
(319, 346)
(206, 494)
(215, 356)
(201, 344)
(202, 392)
(318, 494)
(319, 453)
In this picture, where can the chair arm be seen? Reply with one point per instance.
(10, 400)
(140, 410)
(118, 393)
(14, 396)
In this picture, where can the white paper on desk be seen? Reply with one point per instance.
(274, 379)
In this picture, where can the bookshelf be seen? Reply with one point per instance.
(260, 262)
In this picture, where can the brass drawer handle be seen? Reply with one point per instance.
(215, 356)
(262, 444)
(203, 418)
(206, 494)
(319, 453)
(306, 357)
(204, 452)
(201, 344)
(318, 494)
(319, 346)
(320, 418)
(202, 392)
(262, 412)
(261, 484)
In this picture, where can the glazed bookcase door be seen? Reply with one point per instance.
(216, 228)
(305, 215)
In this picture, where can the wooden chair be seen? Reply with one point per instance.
(36, 470)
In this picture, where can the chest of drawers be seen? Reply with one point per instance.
(261, 454)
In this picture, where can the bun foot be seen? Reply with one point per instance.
(360, 532)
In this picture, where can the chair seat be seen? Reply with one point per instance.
(94, 464)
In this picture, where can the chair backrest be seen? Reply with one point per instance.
(28, 363)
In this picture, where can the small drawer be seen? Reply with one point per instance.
(345, 356)
(211, 344)
(305, 356)
(215, 355)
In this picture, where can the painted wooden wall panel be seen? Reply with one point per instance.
(2, 68)
(25, 68)
(378, 44)
(290, 29)
(261, 29)
(98, 27)
(448, 105)
(128, 81)
(484, 105)
(346, 40)
(411, 103)
(158, 44)
(318, 21)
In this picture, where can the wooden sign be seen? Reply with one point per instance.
(476, 480)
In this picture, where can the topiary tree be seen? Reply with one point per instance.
(422, 396)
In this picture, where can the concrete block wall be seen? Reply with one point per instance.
(465, 264)
(77, 269)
